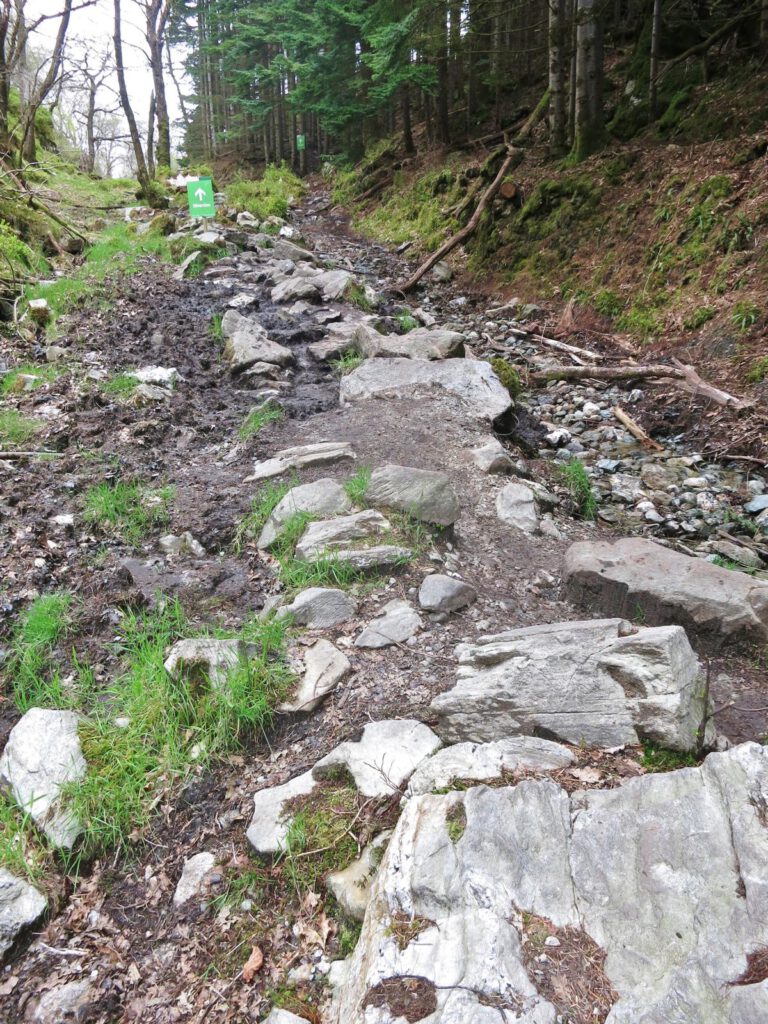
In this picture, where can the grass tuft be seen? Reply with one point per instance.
(258, 418)
(577, 481)
(347, 362)
(34, 674)
(127, 510)
(15, 429)
(41, 374)
(121, 385)
(357, 485)
(262, 507)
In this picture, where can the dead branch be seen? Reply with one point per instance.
(694, 384)
(513, 158)
(636, 430)
(561, 346)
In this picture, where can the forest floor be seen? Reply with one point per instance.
(115, 931)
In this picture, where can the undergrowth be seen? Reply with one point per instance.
(268, 196)
(347, 362)
(33, 667)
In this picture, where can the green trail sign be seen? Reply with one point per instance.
(200, 198)
(301, 142)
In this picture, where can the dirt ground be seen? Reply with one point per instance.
(147, 960)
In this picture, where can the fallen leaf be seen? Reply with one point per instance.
(253, 965)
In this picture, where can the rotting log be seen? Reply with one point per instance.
(513, 158)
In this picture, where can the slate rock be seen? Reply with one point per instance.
(484, 762)
(472, 382)
(492, 457)
(385, 756)
(324, 497)
(294, 288)
(380, 556)
(321, 608)
(43, 756)
(21, 907)
(600, 682)
(421, 343)
(516, 506)
(634, 576)
(422, 493)
(676, 918)
(324, 668)
(398, 622)
(352, 886)
(204, 659)
(63, 1004)
(439, 593)
(318, 454)
(193, 877)
(323, 537)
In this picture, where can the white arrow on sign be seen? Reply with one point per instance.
(200, 195)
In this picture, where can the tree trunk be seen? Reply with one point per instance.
(408, 145)
(41, 90)
(142, 172)
(151, 136)
(653, 112)
(589, 129)
(558, 69)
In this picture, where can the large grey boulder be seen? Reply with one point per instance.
(516, 506)
(473, 382)
(42, 757)
(439, 593)
(484, 762)
(600, 682)
(333, 284)
(324, 668)
(675, 918)
(322, 538)
(318, 454)
(323, 497)
(247, 343)
(422, 343)
(321, 608)
(385, 756)
(21, 906)
(398, 622)
(421, 493)
(638, 578)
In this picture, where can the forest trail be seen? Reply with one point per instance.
(536, 658)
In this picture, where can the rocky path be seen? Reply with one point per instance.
(477, 688)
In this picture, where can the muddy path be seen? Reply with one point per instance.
(144, 959)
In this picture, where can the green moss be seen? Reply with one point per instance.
(508, 375)
(456, 822)
(643, 320)
(658, 759)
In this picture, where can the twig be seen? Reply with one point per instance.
(636, 430)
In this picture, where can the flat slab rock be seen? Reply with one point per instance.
(21, 906)
(632, 576)
(422, 493)
(380, 556)
(321, 607)
(41, 757)
(516, 506)
(385, 756)
(202, 660)
(600, 682)
(471, 381)
(398, 622)
(320, 539)
(323, 497)
(193, 877)
(676, 918)
(319, 454)
(484, 762)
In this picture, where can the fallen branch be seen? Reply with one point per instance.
(374, 190)
(636, 430)
(513, 158)
(562, 346)
(697, 386)
(28, 455)
(688, 377)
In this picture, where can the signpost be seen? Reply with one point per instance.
(200, 198)
(301, 142)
